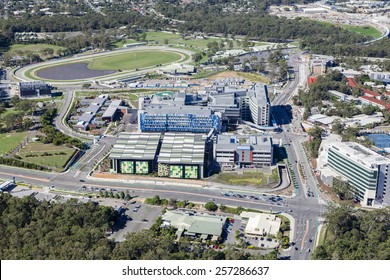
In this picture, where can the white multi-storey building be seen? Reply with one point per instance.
(366, 171)
(259, 105)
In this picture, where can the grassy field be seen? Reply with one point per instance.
(35, 48)
(253, 77)
(46, 154)
(10, 140)
(133, 97)
(248, 178)
(364, 30)
(9, 111)
(133, 60)
(193, 44)
(123, 42)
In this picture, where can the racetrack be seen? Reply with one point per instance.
(149, 59)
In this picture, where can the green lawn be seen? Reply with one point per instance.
(36, 48)
(46, 154)
(133, 60)
(248, 178)
(33, 47)
(133, 97)
(253, 77)
(161, 36)
(123, 42)
(10, 140)
(192, 44)
(9, 111)
(364, 30)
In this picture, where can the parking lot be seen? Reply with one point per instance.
(135, 218)
(257, 241)
(230, 231)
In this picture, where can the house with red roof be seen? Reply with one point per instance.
(370, 93)
(373, 101)
(351, 82)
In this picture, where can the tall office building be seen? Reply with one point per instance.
(366, 171)
(255, 105)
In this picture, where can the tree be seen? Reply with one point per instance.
(48, 52)
(315, 141)
(197, 57)
(337, 126)
(343, 189)
(306, 114)
(156, 200)
(283, 70)
(12, 120)
(211, 206)
(142, 37)
(320, 254)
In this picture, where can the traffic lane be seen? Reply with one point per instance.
(8, 173)
(196, 194)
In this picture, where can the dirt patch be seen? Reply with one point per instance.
(224, 75)
(287, 192)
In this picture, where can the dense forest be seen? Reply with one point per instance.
(356, 235)
(243, 18)
(30, 229)
(313, 35)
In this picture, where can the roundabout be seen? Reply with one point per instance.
(103, 66)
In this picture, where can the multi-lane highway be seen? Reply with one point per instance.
(305, 210)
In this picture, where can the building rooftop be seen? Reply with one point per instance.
(93, 108)
(261, 224)
(223, 99)
(359, 153)
(86, 117)
(100, 100)
(320, 118)
(111, 110)
(116, 102)
(178, 110)
(138, 146)
(182, 149)
(259, 93)
(194, 223)
(231, 142)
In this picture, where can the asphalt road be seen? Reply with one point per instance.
(307, 210)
